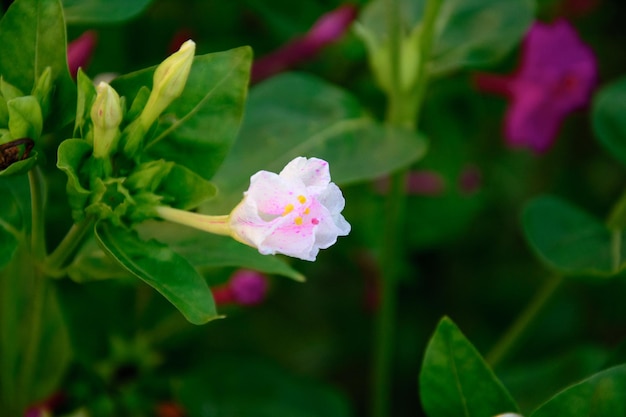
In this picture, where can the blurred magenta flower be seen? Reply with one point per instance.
(80, 50)
(245, 287)
(327, 29)
(556, 76)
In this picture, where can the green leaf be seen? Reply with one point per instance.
(102, 11)
(32, 35)
(241, 386)
(602, 395)
(479, 32)
(186, 188)
(72, 154)
(469, 33)
(571, 241)
(207, 251)
(199, 127)
(609, 124)
(455, 380)
(299, 115)
(15, 210)
(161, 268)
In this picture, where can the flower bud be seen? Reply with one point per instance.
(106, 116)
(169, 81)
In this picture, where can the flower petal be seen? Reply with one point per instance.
(312, 172)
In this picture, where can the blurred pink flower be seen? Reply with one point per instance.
(245, 287)
(556, 76)
(80, 50)
(327, 29)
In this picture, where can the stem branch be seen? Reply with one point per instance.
(513, 335)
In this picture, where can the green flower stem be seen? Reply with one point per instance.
(513, 335)
(218, 225)
(56, 262)
(37, 199)
(403, 111)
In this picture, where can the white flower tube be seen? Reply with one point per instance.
(296, 212)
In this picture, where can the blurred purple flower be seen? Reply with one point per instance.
(245, 287)
(327, 29)
(556, 76)
(80, 50)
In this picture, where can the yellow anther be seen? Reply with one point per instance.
(288, 209)
(302, 199)
(298, 221)
(307, 210)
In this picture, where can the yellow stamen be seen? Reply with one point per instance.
(307, 210)
(288, 209)
(302, 199)
(298, 221)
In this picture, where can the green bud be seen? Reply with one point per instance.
(106, 116)
(379, 57)
(43, 89)
(169, 81)
(25, 118)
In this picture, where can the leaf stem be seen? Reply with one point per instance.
(515, 332)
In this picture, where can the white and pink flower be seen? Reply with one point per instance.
(296, 212)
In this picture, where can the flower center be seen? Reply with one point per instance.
(299, 220)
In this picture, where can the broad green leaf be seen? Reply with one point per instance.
(161, 268)
(609, 123)
(571, 241)
(530, 381)
(241, 386)
(71, 156)
(602, 395)
(199, 127)
(479, 32)
(456, 381)
(102, 11)
(32, 35)
(300, 115)
(468, 33)
(187, 189)
(207, 251)
(21, 288)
